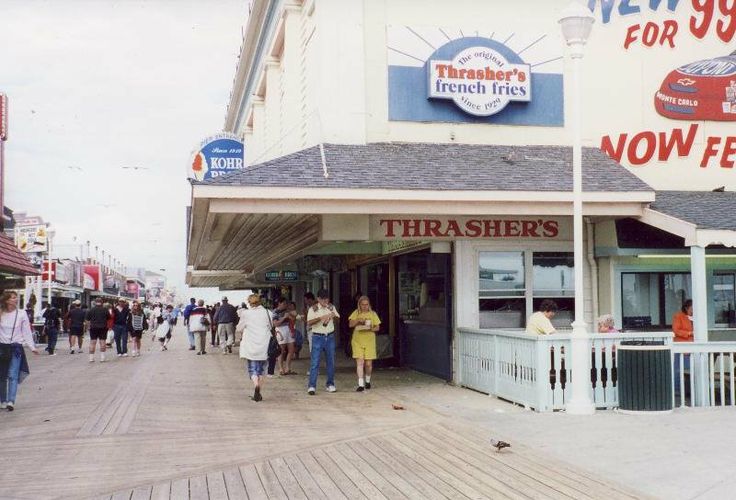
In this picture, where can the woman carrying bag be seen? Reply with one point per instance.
(15, 332)
(254, 347)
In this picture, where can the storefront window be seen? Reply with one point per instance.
(502, 287)
(553, 274)
(649, 300)
(723, 299)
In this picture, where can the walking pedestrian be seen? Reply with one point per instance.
(309, 301)
(96, 319)
(296, 332)
(137, 323)
(226, 317)
(213, 325)
(121, 317)
(365, 323)
(15, 332)
(163, 332)
(185, 314)
(75, 317)
(254, 346)
(199, 324)
(52, 323)
(281, 318)
(321, 317)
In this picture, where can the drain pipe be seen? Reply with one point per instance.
(593, 270)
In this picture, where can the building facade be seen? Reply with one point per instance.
(418, 152)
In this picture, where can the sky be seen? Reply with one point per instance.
(95, 86)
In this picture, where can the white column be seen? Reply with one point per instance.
(699, 367)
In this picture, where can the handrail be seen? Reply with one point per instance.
(521, 334)
(687, 347)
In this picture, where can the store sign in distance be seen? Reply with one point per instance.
(217, 155)
(281, 275)
(480, 81)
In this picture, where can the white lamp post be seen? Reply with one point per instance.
(50, 236)
(576, 22)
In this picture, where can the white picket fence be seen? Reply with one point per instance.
(531, 370)
(704, 374)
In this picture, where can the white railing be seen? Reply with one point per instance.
(703, 374)
(531, 370)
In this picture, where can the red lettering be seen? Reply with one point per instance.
(607, 146)
(432, 228)
(633, 149)
(683, 146)
(651, 30)
(630, 38)
(551, 228)
(728, 150)
(390, 223)
(669, 31)
(511, 228)
(491, 228)
(710, 150)
(411, 228)
(454, 227)
(529, 228)
(473, 228)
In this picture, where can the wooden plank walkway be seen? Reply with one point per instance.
(433, 461)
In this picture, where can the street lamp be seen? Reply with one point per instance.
(576, 22)
(50, 233)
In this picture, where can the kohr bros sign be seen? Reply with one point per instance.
(217, 155)
(445, 75)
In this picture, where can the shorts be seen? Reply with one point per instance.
(77, 330)
(136, 334)
(98, 333)
(364, 345)
(284, 338)
(256, 367)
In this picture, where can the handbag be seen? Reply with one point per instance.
(6, 350)
(274, 349)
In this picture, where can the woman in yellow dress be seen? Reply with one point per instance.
(365, 323)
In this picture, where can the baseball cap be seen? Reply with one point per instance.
(224, 299)
(77, 302)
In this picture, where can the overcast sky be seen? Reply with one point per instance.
(98, 85)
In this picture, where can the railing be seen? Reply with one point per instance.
(703, 374)
(531, 370)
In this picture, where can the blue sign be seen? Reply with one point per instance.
(474, 79)
(218, 155)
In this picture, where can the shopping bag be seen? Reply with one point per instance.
(110, 336)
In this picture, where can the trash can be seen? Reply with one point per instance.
(644, 376)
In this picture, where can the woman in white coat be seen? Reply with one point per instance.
(254, 345)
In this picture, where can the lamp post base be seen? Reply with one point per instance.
(580, 402)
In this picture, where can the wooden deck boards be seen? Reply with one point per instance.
(172, 426)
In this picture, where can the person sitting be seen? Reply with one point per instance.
(540, 322)
(606, 324)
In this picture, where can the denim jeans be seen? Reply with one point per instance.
(121, 338)
(53, 334)
(321, 343)
(9, 380)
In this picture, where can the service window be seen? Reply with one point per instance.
(502, 289)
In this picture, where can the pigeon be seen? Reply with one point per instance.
(499, 445)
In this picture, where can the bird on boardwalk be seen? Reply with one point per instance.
(499, 445)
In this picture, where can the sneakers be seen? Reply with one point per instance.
(311, 391)
(224, 351)
(71, 351)
(52, 354)
(360, 388)
(192, 348)
(257, 394)
(120, 355)
(3, 406)
(367, 385)
(10, 406)
(331, 388)
(125, 354)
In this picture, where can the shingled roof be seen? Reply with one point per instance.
(425, 166)
(12, 260)
(705, 209)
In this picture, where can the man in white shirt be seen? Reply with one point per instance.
(321, 318)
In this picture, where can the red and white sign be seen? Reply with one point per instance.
(3, 117)
(448, 228)
(91, 277)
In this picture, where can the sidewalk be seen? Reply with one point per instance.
(173, 422)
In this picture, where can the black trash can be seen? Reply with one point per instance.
(644, 376)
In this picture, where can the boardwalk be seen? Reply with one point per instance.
(174, 425)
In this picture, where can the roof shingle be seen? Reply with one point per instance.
(425, 166)
(12, 259)
(705, 209)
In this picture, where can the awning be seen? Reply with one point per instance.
(702, 218)
(259, 217)
(12, 259)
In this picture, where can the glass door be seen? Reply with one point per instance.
(723, 299)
